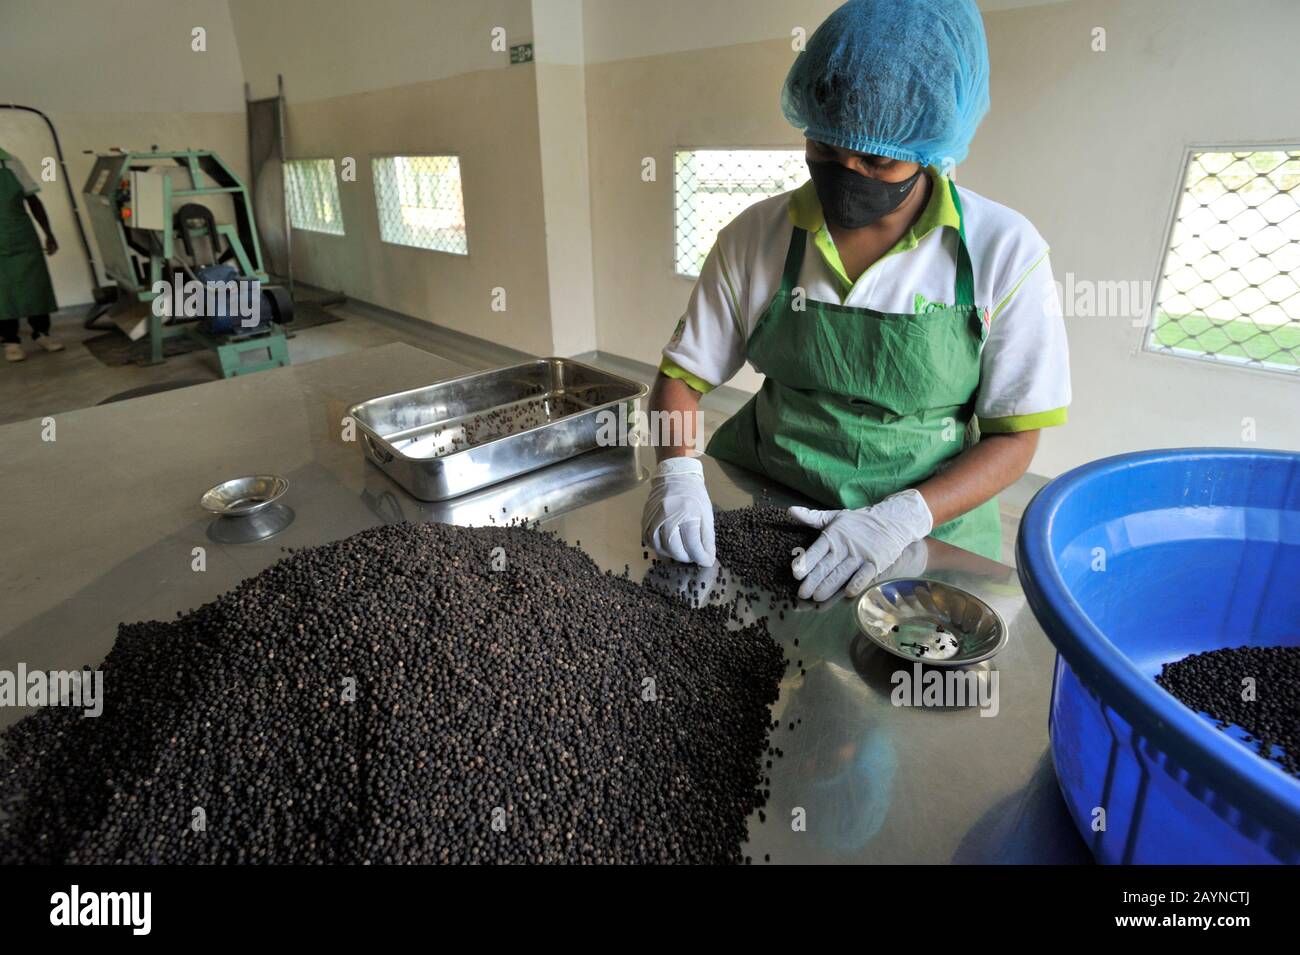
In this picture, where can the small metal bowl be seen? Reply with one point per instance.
(933, 622)
(242, 496)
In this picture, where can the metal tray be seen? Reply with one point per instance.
(460, 435)
(546, 494)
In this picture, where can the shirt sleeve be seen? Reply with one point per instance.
(709, 344)
(1025, 364)
(29, 185)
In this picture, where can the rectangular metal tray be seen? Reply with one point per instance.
(460, 435)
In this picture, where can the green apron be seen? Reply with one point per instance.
(25, 288)
(858, 404)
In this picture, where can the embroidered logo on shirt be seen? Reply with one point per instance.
(921, 305)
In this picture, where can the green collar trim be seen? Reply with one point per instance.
(805, 211)
(4, 155)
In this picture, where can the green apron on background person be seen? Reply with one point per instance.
(25, 288)
(858, 404)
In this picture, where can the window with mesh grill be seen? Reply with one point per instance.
(1230, 285)
(311, 191)
(713, 186)
(420, 202)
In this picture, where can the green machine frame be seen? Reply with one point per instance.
(136, 256)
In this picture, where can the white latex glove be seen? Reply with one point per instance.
(856, 545)
(678, 518)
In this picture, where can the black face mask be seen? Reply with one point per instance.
(851, 200)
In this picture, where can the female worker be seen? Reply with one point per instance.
(909, 331)
(25, 289)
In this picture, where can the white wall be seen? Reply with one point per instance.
(1088, 145)
(566, 183)
(415, 77)
(625, 29)
(328, 48)
(131, 56)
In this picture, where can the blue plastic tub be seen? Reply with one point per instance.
(1135, 561)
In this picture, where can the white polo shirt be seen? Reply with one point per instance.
(1024, 364)
(29, 186)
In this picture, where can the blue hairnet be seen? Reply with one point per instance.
(907, 79)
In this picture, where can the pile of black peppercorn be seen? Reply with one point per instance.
(756, 543)
(1215, 683)
(409, 694)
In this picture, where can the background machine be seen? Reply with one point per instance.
(185, 219)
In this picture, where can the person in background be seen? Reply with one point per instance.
(25, 288)
(908, 330)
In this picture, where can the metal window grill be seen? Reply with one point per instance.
(420, 202)
(713, 186)
(1230, 286)
(311, 191)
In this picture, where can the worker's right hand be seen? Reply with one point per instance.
(678, 519)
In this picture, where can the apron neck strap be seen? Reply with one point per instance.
(794, 260)
(965, 286)
(965, 292)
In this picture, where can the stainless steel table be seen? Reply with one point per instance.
(101, 526)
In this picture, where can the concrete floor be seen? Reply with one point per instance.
(50, 384)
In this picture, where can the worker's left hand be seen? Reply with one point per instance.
(50, 245)
(856, 545)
